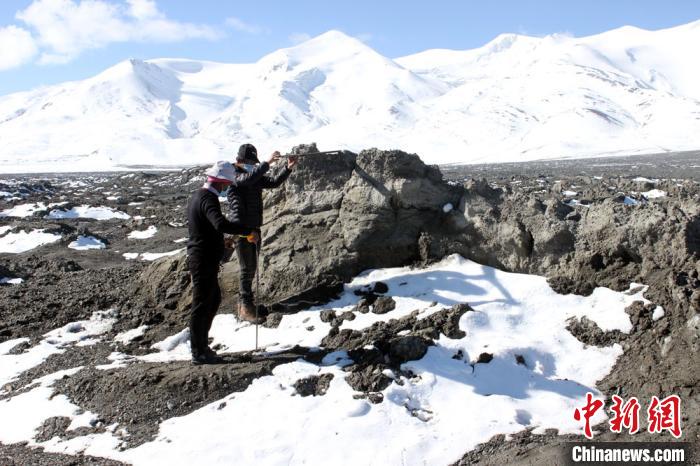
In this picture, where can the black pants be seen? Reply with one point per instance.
(206, 297)
(247, 261)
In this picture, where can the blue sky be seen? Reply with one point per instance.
(49, 41)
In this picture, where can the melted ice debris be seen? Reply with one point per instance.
(23, 241)
(630, 201)
(84, 243)
(645, 180)
(55, 341)
(447, 207)
(569, 193)
(143, 234)
(130, 255)
(180, 240)
(85, 211)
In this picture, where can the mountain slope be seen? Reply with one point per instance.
(516, 98)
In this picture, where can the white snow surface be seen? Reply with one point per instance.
(144, 234)
(27, 210)
(516, 98)
(654, 194)
(55, 341)
(86, 211)
(84, 243)
(433, 418)
(23, 241)
(150, 256)
(10, 281)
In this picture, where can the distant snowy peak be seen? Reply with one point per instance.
(517, 97)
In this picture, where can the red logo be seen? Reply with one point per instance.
(588, 411)
(661, 415)
(665, 415)
(624, 415)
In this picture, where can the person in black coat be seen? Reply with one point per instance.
(246, 208)
(205, 248)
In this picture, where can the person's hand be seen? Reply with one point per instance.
(254, 237)
(274, 157)
(292, 162)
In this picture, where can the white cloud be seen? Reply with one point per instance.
(17, 47)
(66, 28)
(299, 37)
(241, 26)
(143, 9)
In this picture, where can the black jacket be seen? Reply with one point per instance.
(245, 194)
(207, 226)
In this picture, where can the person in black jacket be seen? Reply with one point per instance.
(246, 208)
(205, 248)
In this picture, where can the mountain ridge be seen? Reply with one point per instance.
(516, 98)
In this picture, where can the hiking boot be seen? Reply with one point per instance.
(246, 313)
(205, 358)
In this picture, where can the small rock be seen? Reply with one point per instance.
(408, 348)
(327, 315)
(384, 304)
(315, 385)
(484, 358)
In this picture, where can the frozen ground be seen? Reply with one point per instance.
(538, 374)
(589, 228)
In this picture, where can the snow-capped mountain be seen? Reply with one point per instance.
(516, 98)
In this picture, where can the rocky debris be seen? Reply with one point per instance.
(362, 306)
(22, 455)
(587, 332)
(273, 320)
(484, 358)
(383, 304)
(52, 427)
(408, 348)
(368, 379)
(136, 394)
(327, 315)
(372, 290)
(523, 448)
(315, 385)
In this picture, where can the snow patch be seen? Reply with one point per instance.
(654, 194)
(85, 211)
(10, 281)
(84, 243)
(23, 241)
(143, 234)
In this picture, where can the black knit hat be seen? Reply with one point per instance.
(247, 153)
